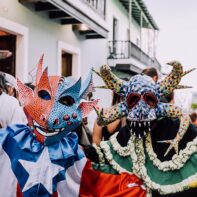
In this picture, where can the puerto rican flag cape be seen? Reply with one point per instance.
(31, 169)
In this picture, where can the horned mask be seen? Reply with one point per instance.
(55, 108)
(142, 105)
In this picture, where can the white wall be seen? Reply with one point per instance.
(116, 9)
(43, 32)
(44, 36)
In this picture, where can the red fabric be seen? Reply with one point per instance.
(54, 195)
(99, 184)
(18, 191)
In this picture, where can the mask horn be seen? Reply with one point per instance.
(188, 71)
(172, 80)
(39, 69)
(44, 81)
(112, 81)
(74, 89)
(87, 86)
(25, 93)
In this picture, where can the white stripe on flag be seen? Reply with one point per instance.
(8, 181)
(70, 186)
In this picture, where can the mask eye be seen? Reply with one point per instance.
(133, 99)
(67, 100)
(43, 94)
(150, 99)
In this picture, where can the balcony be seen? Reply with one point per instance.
(97, 5)
(80, 13)
(127, 50)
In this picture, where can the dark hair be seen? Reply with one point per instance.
(116, 98)
(89, 96)
(167, 98)
(30, 85)
(151, 72)
(193, 117)
(3, 87)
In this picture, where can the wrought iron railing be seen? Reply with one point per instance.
(127, 49)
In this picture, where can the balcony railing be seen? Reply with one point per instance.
(127, 49)
(97, 5)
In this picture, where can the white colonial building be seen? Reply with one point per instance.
(75, 35)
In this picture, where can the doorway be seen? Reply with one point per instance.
(8, 42)
(66, 64)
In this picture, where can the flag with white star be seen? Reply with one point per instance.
(38, 173)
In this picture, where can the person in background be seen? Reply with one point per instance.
(151, 72)
(100, 132)
(193, 117)
(169, 98)
(5, 54)
(11, 85)
(30, 85)
(83, 131)
(10, 110)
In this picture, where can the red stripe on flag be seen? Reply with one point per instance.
(20, 194)
(55, 194)
(95, 183)
(18, 191)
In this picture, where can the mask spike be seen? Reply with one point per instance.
(101, 87)
(39, 69)
(183, 87)
(188, 71)
(44, 81)
(170, 82)
(25, 93)
(112, 81)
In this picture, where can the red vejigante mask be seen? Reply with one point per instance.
(55, 108)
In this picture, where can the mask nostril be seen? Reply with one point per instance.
(66, 117)
(74, 115)
(69, 123)
(43, 117)
(56, 121)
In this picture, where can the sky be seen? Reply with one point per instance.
(177, 21)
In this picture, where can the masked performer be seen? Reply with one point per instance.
(44, 157)
(161, 152)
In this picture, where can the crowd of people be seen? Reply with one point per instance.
(12, 112)
(31, 127)
(37, 127)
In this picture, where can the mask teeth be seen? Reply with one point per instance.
(139, 136)
(144, 132)
(139, 124)
(149, 129)
(131, 131)
(134, 124)
(144, 123)
(148, 123)
(131, 123)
